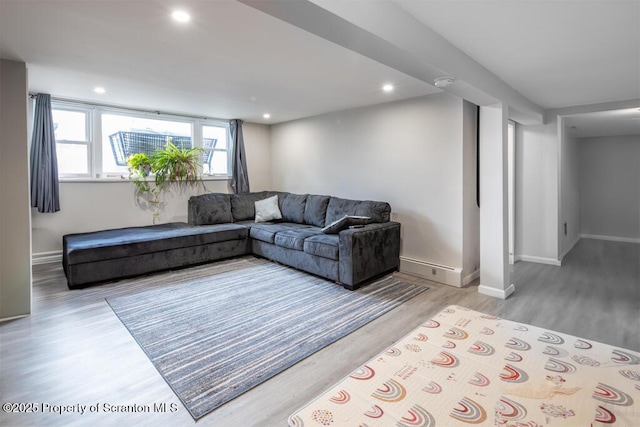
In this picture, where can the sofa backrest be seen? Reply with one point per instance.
(377, 211)
(315, 210)
(212, 208)
(292, 207)
(311, 209)
(243, 205)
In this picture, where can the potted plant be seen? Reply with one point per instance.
(139, 164)
(179, 166)
(170, 167)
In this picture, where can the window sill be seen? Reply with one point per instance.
(127, 181)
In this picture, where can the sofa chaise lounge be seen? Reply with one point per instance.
(313, 235)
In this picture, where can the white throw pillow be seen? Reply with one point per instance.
(267, 209)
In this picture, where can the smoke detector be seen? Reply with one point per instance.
(445, 81)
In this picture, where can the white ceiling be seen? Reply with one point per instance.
(233, 60)
(557, 53)
(605, 123)
(230, 61)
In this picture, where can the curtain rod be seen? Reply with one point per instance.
(140, 110)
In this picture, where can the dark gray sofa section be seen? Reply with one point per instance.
(100, 256)
(350, 257)
(222, 226)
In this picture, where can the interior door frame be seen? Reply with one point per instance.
(511, 178)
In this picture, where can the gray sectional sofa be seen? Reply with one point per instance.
(223, 225)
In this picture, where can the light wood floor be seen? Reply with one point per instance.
(73, 349)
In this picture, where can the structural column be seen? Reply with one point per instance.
(494, 215)
(15, 214)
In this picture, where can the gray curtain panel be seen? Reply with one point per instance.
(240, 178)
(45, 194)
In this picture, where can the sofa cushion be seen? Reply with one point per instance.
(243, 205)
(294, 239)
(292, 207)
(337, 208)
(323, 245)
(130, 241)
(214, 208)
(266, 232)
(315, 210)
(267, 209)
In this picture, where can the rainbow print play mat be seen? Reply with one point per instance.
(464, 368)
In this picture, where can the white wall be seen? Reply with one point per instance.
(257, 142)
(610, 186)
(536, 190)
(408, 153)
(569, 195)
(592, 184)
(470, 210)
(15, 237)
(90, 206)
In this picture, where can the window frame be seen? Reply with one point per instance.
(93, 123)
(221, 124)
(88, 118)
(134, 114)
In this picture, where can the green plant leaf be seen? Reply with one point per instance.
(177, 165)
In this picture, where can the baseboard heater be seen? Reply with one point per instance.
(436, 272)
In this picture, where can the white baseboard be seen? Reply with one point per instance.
(471, 277)
(495, 292)
(436, 272)
(46, 257)
(571, 245)
(6, 319)
(539, 260)
(611, 238)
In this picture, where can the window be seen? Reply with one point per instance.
(94, 141)
(216, 155)
(124, 135)
(71, 129)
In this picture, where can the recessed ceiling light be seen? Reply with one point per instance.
(387, 88)
(181, 16)
(99, 90)
(266, 115)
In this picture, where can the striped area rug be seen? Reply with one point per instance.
(214, 336)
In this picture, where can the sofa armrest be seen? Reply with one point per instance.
(368, 252)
